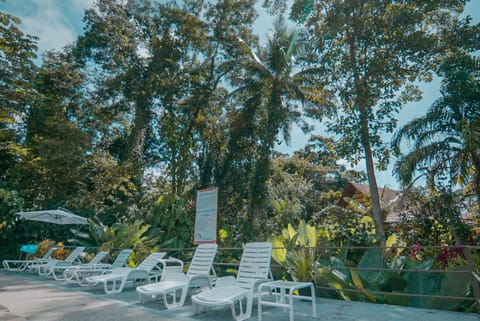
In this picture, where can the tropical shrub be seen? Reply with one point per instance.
(374, 274)
(345, 226)
(139, 237)
(10, 239)
(15, 232)
(174, 217)
(295, 250)
(43, 247)
(386, 276)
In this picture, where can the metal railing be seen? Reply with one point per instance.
(229, 257)
(470, 270)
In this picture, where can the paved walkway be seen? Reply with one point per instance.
(29, 297)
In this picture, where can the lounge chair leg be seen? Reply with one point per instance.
(243, 313)
(116, 287)
(177, 299)
(195, 308)
(198, 308)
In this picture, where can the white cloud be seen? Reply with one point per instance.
(56, 22)
(52, 35)
(81, 5)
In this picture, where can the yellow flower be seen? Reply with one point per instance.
(223, 234)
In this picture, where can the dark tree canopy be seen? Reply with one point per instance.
(166, 97)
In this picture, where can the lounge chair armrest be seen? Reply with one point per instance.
(202, 280)
(89, 267)
(257, 283)
(200, 277)
(106, 271)
(42, 261)
(225, 281)
(174, 276)
(171, 261)
(95, 266)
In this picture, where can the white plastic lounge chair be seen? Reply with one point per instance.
(57, 270)
(149, 270)
(174, 286)
(79, 273)
(236, 292)
(45, 268)
(22, 265)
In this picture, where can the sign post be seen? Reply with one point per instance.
(206, 216)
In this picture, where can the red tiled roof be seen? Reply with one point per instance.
(360, 194)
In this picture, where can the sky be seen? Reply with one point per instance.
(58, 22)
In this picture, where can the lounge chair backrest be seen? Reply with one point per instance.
(202, 260)
(98, 258)
(151, 261)
(74, 255)
(121, 259)
(255, 264)
(48, 254)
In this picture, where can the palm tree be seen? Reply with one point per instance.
(273, 88)
(446, 140)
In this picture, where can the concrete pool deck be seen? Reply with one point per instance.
(25, 296)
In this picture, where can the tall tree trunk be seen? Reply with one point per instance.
(374, 195)
(372, 181)
(476, 177)
(362, 107)
(136, 140)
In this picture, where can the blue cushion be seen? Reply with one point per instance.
(30, 248)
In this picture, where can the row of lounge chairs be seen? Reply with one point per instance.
(164, 278)
(22, 265)
(47, 268)
(79, 273)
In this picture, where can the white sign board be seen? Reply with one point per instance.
(206, 216)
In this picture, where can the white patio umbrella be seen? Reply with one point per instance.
(59, 216)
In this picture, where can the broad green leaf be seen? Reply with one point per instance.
(279, 251)
(421, 282)
(373, 258)
(358, 283)
(453, 284)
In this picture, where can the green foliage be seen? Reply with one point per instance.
(15, 232)
(295, 250)
(174, 217)
(453, 284)
(17, 53)
(162, 105)
(305, 184)
(333, 273)
(420, 282)
(289, 193)
(398, 275)
(372, 258)
(109, 191)
(10, 239)
(56, 144)
(10, 203)
(268, 92)
(446, 139)
(332, 278)
(184, 92)
(352, 44)
(343, 226)
(434, 219)
(139, 237)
